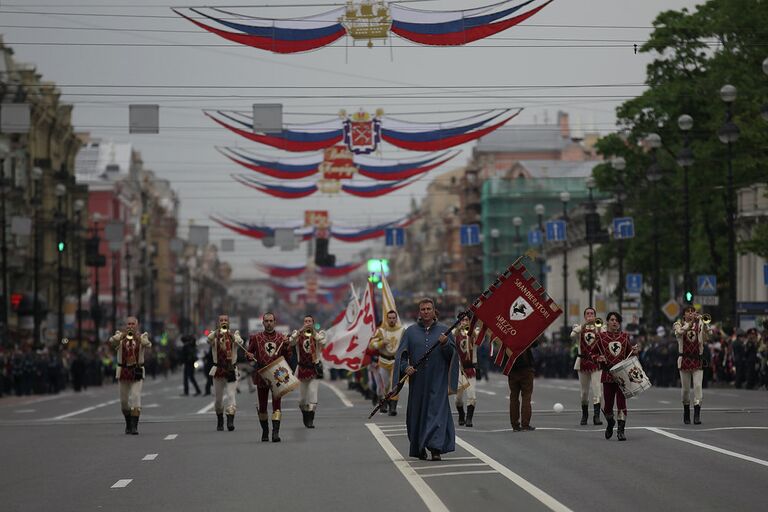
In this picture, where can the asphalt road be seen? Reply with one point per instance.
(68, 452)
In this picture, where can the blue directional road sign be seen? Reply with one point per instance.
(469, 234)
(394, 236)
(706, 284)
(535, 237)
(623, 228)
(634, 284)
(556, 231)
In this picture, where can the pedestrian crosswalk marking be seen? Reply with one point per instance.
(150, 456)
(170, 437)
(122, 483)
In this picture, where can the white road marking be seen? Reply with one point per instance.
(87, 409)
(397, 435)
(665, 402)
(170, 437)
(122, 483)
(206, 409)
(485, 392)
(441, 466)
(454, 473)
(427, 495)
(513, 477)
(709, 447)
(24, 411)
(150, 406)
(448, 458)
(150, 456)
(713, 429)
(338, 393)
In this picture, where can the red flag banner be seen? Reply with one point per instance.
(516, 310)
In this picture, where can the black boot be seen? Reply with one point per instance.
(462, 418)
(311, 419)
(584, 414)
(609, 428)
(470, 413)
(275, 431)
(230, 422)
(135, 425)
(697, 414)
(219, 421)
(620, 432)
(686, 414)
(596, 417)
(305, 417)
(264, 430)
(127, 416)
(393, 407)
(384, 407)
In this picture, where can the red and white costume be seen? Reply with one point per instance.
(467, 351)
(308, 350)
(616, 348)
(691, 337)
(589, 375)
(130, 369)
(266, 348)
(224, 371)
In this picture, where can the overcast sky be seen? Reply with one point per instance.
(114, 43)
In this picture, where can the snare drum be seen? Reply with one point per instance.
(280, 377)
(630, 377)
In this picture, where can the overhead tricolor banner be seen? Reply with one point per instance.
(362, 133)
(516, 310)
(365, 21)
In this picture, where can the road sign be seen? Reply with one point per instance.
(706, 300)
(469, 234)
(634, 284)
(556, 231)
(752, 308)
(706, 284)
(534, 237)
(394, 236)
(671, 309)
(623, 228)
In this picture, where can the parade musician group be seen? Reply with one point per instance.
(392, 350)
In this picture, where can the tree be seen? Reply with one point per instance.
(696, 54)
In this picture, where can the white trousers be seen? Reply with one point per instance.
(308, 395)
(130, 396)
(468, 395)
(685, 379)
(383, 378)
(590, 381)
(224, 390)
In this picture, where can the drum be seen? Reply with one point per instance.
(630, 377)
(280, 377)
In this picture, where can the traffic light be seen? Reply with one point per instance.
(322, 258)
(689, 296)
(592, 223)
(61, 245)
(440, 290)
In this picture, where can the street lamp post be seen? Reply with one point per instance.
(728, 134)
(564, 198)
(517, 222)
(591, 208)
(539, 210)
(685, 160)
(495, 233)
(764, 109)
(95, 304)
(79, 205)
(61, 230)
(37, 175)
(4, 250)
(653, 140)
(619, 164)
(128, 284)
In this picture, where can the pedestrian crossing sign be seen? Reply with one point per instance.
(706, 284)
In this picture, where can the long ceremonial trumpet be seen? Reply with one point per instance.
(598, 322)
(308, 332)
(706, 318)
(224, 327)
(129, 334)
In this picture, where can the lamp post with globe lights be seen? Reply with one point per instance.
(619, 164)
(685, 160)
(564, 198)
(728, 134)
(654, 175)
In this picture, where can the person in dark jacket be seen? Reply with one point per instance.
(188, 357)
(520, 391)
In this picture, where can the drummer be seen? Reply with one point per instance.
(613, 347)
(266, 347)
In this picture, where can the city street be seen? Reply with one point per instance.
(69, 452)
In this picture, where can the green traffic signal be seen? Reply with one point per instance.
(440, 290)
(688, 296)
(61, 246)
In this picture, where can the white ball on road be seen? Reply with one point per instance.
(558, 407)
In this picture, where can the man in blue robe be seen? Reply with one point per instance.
(428, 418)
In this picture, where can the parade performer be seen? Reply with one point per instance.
(613, 347)
(130, 370)
(692, 332)
(224, 372)
(428, 418)
(266, 347)
(585, 336)
(467, 352)
(385, 341)
(309, 343)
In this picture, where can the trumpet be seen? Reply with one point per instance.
(129, 334)
(224, 327)
(598, 322)
(64, 341)
(706, 318)
(308, 332)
